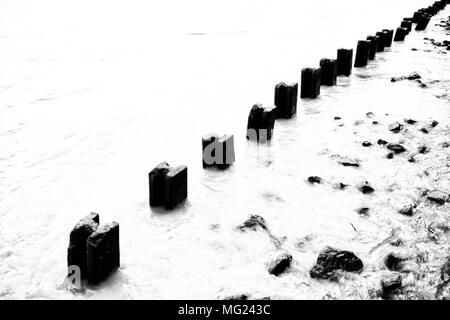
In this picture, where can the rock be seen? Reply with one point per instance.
(394, 262)
(411, 159)
(382, 142)
(390, 156)
(280, 264)
(434, 123)
(424, 130)
(340, 186)
(412, 76)
(103, 252)
(410, 121)
(375, 123)
(408, 210)
(331, 260)
(366, 189)
(314, 179)
(391, 285)
(76, 252)
(237, 297)
(253, 223)
(363, 211)
(395, 127)
(347, 162)
(337, 118)
(438, 197)
(366, 144)
(445, 145)
(397, 148)
(369, 114)
(423, 149)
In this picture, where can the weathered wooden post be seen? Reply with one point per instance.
(103, 252)
(400, 34)
(261, 122)
(388, 36)
(310, 84)
(362, 54)
(373, 45)
(382, 42)
(423, 22)
(344, 62)
(286, 100)
(218, 151)
(407, 25)
(416, 16)
(167, 185)
(77, 250)
(328, 72)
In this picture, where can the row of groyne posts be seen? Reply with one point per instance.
(93, 251)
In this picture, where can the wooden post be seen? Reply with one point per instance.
(407, 25)
(103, 252)
(218, 151)
(167, 185)
(362, 54)
(328, 72)
(388, 36)
(286, 100)
(310, 84)
(400, 34)
(261, 123)
(382, 42)
(344, 62)
(373, 44)
(423, 22)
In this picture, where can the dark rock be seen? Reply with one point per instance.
(411, 159)
(410, 121)
(423, 149)
(366, 144)
(366, 189)
(363, 211)
(280, 264)
(438, 197)
(314, 179)
(347, 162)
(382, 142)
(408, 210)
(331, 260)
(434, 123)
(391, 285)
(397, 148)
(103, 252)
(394, 262)
(253, 223)
(390, 155)
(286, 100)
(395, 127)
(237, 297)
(77, 250)
(412, 76)
(337, 118)
(445, 144)
(375, 122)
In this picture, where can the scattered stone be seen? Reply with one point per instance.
(253, 223)
(424, 130)
(395, 127)
(337, 118)
(397, 148)
(412, 76)
(424, 150)
(314, 179)
(77, 251)
(408, 210)
(280, 264)
(103, 252)
(375, 123)
(366, 144)
(331, 260)
(390, 155)
(347, 162)
(410, 121)
(394, 262)
(411, 159)
(341, 186)
(382, 142)
(445, 145)
(167, 185)
(438, 197)
(390, 286)
(434, 123)
(363, 211)
(366, 189)
(369, 114)
(237, 297)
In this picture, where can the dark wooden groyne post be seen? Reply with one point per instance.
(167, 185)
(382, 41)
(407, 24)
(362, 54)
(103, 252)
(423, 22)
(218, 151)
(373, 45)
(77, 250)
(328, 72)
(400, 34)
(261, 123)
(344, 62)
(310, 83)
(388, 37)
(286, 100)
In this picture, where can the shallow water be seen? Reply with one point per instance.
(93, 96)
